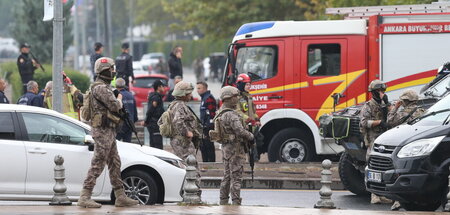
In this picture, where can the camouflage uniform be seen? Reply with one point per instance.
(399, 116)
(371, 111)
(233, 151)
(183, 121)
(104, 130)
(104, 134)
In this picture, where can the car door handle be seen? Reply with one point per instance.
(37, 151)
(275, 97)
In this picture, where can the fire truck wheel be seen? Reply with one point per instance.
(290, 145)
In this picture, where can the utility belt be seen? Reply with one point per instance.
(105, 120)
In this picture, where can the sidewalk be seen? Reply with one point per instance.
(248, 210)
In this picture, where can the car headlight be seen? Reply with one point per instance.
(178, 163)
(419, 147)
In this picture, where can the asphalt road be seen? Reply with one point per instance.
(296, 198)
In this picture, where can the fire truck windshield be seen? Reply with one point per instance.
(258, 62)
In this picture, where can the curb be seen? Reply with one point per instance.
(274, 183)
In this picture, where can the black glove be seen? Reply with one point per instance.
(384, 125)
(116, 92)
(385, 99)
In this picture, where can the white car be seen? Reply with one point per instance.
(149, 60)
(30, 138)
(138, 69)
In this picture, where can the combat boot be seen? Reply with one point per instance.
(85, 200)
(224, 202)
(237, 201)
(123, 200)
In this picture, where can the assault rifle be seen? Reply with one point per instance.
(37, 61)
(195, 141)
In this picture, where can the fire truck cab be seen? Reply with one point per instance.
(296, 66)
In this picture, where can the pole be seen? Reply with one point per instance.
(110, 37)
(57, 56)
(131, 26)
(97, 21)
(105, 25)
(83, 36)
(76, 64)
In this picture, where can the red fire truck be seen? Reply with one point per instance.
(296, 66)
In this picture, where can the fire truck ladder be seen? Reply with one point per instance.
(365, 12)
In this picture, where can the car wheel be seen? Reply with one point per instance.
(413, 206)
(141, 186)
(351, 178)
(290, 145)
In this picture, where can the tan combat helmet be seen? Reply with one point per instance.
(228, 92)
(102, 64)
(377, 85)
(182, 88)
(409, 95)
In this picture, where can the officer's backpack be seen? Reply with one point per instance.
(85, 110)
(165, 124)
(218, 134)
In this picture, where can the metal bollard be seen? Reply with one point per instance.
(60, 197)
(191, 190)
(447, 206)
(325, 191)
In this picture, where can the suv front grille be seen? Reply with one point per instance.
(380, 163)
(383, 149)
(376, 186)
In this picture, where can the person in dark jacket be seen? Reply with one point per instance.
(3, 99)
(129, 103)
(98, 48)
(169, 96)
(154, 111)
(175, 66)
(31, 97)
(124, 65)
(207, 113)
(26, 64)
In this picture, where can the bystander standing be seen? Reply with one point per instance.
(207, 113)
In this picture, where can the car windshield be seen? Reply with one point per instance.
(147, 82)
(436, 114)
(440, 88)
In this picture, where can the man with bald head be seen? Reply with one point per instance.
(31, 97)
(3, 99)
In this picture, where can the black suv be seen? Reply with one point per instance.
(410, 163)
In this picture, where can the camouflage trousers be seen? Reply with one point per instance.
(233, 159)
(183, 147)
(105, 153)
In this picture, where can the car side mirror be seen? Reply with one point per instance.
(89, 141)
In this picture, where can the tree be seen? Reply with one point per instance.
(30, 28)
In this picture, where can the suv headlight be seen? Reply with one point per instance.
(178, 163)
(419, 147)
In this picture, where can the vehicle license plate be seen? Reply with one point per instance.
(374, 176)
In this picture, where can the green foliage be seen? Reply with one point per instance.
(10, 72)
(191, 48)
(29, 27)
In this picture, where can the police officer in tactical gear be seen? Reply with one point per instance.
(129, 103)
(232, 134)
(124, 64)
(31, 97)
(104, 106)
(26, 64)
(373, 122)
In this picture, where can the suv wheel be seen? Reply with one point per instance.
(290, 145)
(140, 186)
(352, 178)
(412, 206)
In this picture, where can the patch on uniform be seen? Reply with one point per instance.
(245, 107)
(21, 60)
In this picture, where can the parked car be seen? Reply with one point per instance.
(149, 60)
(138, 69)
(30, 138)
(410, 163)
(144, 85)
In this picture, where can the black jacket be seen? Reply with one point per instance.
(93, 58)
(3, 99)
(208, 110)
(124, 66)
(26, 68)
(154, 113)
(175, 66)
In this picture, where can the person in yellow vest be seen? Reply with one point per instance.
(72, 97)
